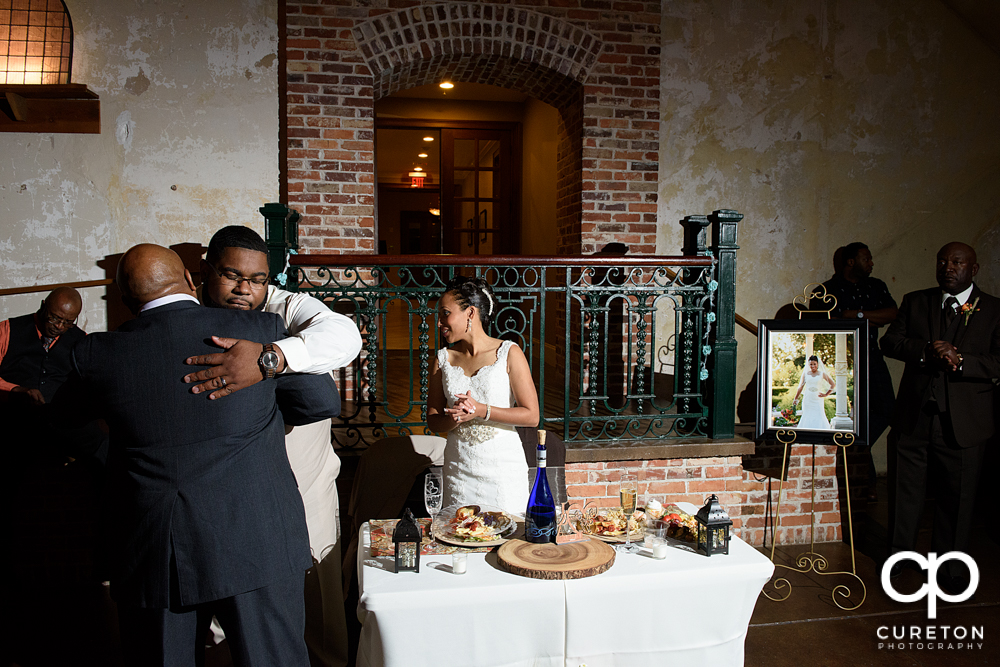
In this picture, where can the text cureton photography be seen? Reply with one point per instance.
(930, 637)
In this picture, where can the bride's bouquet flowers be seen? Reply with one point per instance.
(787, 418)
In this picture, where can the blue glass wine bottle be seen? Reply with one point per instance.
(540, 516)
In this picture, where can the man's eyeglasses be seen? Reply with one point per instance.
(58, 321)
(233, 278)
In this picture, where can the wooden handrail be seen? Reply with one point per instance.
(494, 260)
(48, 288)
(746, 324)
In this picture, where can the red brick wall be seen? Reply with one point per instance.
(597, 61)
(742, 494)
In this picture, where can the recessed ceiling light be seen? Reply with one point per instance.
(447, 85)
(428, 138)
(422, 155)
(418, 169)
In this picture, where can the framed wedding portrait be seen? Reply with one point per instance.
(812, 379)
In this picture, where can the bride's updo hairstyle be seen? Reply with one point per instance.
(474, 292)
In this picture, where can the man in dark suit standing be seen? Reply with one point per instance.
(862, 297)
(949, 337)
(205, 514)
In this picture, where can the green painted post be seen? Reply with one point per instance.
(694, 235)
(722, 364)
(281, 231)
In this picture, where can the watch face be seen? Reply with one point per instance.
(269, 360)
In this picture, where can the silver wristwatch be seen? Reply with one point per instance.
(268, 361)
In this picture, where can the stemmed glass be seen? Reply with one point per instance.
(628, 491)
(433, 491)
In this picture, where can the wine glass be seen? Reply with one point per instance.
(433, 491)
(628, 491)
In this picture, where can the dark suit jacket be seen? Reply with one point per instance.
(970, 390)
(205, 484)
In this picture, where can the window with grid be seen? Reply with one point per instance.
(36, 42)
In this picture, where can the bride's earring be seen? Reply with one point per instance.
(468, 325)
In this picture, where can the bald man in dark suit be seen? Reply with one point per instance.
(949, 337)
(206, 517)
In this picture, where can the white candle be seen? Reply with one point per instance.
(660, 550)
(459, 564)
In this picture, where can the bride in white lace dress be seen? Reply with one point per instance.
(480, 389)
(811, 390)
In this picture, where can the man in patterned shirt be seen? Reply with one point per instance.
(859, 296)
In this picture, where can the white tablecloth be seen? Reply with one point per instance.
(685, 610)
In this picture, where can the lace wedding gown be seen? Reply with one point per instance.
(813, 412)
(483, 462)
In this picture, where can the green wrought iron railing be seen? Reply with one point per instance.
(620, 347)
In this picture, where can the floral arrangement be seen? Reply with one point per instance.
(968, 310)
(787, 418)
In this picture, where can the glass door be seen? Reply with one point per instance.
(476, 192)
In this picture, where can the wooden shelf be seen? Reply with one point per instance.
(70, 108)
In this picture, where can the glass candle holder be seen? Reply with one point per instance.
(459, 563)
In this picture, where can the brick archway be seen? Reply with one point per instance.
(393, 42)
(599, 67)
(508, 47)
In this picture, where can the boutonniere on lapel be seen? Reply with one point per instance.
(968, 309)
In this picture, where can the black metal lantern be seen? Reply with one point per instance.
(406, 540)
(713, 528)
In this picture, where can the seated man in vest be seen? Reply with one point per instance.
(35, 353)
(35, 349)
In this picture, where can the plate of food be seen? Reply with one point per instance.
(473, 526)
(608, 524)
(677, 523)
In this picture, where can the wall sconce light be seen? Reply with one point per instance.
(36, 53)
(37, 45)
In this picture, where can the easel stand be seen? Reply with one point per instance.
(810, 561)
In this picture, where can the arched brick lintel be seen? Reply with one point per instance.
(393, 41)
(538, 81)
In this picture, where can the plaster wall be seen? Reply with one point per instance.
(826, 122)
(188, 143)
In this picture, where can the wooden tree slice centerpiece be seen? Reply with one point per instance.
(556, 561)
